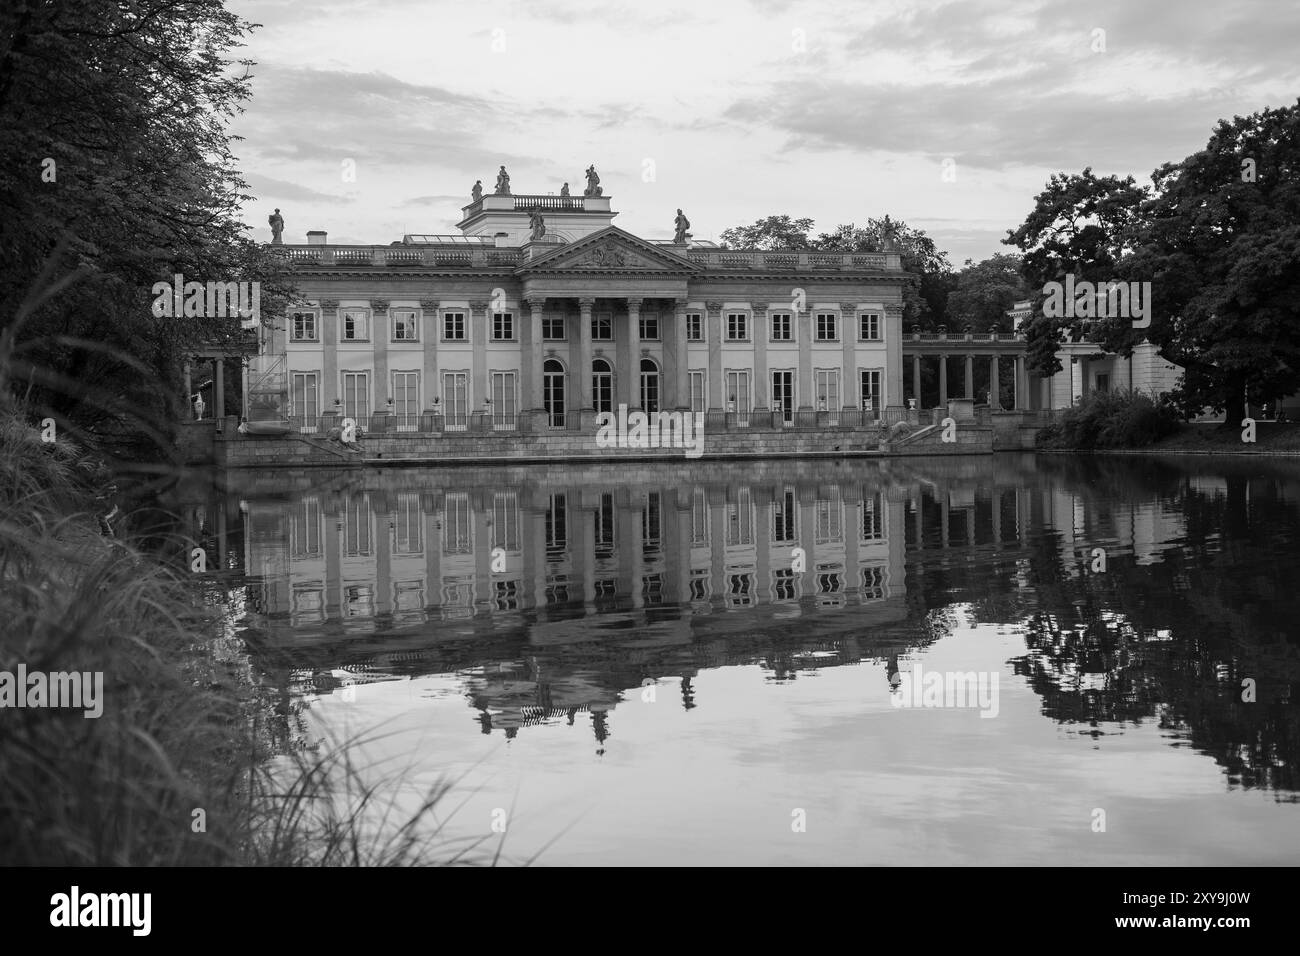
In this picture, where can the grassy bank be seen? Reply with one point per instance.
(176, 769)
(1126, 420)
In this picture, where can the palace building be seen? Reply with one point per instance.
(541, 314)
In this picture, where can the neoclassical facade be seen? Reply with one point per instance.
(541, 312)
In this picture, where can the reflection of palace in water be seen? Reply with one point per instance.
(543, 594)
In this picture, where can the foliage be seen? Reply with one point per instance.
(984, 291)
(1121, 418)
(117, 172)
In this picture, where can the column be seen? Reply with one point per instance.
(585, 399)
(681, 372)
(330, 386)
(480, 332)
(1020, 383)
(804, 385)
(851, 396)
(380, 389)
(892, 386)
(219, 393)
(533, 375)
(429, 337)
(630, 381)
(943, 383)
(189, 393)
(995, 383)
(970, 376)
(916, 379)
(714, 336)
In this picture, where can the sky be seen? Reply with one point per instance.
(948, 115)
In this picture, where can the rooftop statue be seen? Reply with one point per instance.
(503, 182)
(536, 223)
(681, 224)
(477, 192)
(277, 226)
(593, 182)
(564, 190)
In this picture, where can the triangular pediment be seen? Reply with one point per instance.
(611, 250)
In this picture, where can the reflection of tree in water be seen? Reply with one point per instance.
(1173, 640)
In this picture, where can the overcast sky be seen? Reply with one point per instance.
(737, 109)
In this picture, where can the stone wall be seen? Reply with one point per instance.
(238, 451)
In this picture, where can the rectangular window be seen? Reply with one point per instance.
(737, 326)
(305, 529)
(356, 526)
(782, 327)
(408, 525)
(738, 390)
(699, 398)
(694, 327)
(303, 327)
(874, 582)
(503, 326)
(826, 327)
(356, 325)
(457, 524)
(356, 397)
(699, 519)
(739, 523)
(828, 515)
(605, 527)
(649, 328)
(504, 401)
(869, 327)
(785, 514)
(406, 400)
(873, 518)
(557, 525)
(602, 328)
(869, 379)
(455, 400)
(405, 326)
(828, 389)
(304, 406)
(553, 328)
(505, 521)
(453, 327)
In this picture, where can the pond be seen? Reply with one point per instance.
(1009, 659)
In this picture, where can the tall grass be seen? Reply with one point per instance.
(175, 771)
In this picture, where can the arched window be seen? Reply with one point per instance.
(553, 392)
(649, 386)
(602, 386)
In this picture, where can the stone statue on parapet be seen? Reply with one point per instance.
(681, 223)
(503, 182)
(477, 192)
(593, 182)
(536, 223)
(564, 190)
(277, 226)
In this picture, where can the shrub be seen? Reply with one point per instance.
(1112, 419)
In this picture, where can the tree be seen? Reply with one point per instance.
(924, 301)
(116, 168)
(1220, 243)
(984, 291)
(1081, 225)
(768, 233)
